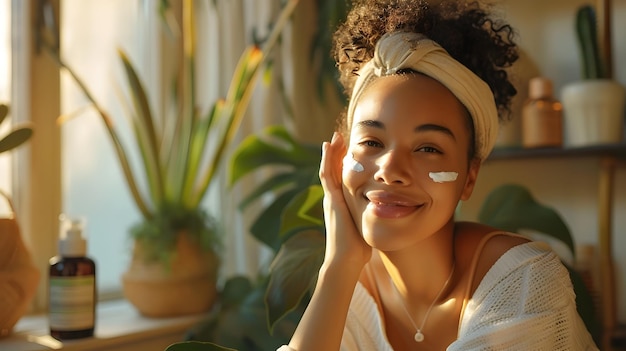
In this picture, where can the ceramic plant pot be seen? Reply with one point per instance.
(594, 112)
(187, 286)
(19, 277)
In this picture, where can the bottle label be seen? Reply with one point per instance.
(72, 301)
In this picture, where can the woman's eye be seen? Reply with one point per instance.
(370, 143)
(429, 149)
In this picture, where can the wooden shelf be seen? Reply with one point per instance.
(617, 151)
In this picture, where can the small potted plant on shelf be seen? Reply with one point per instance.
(594, 106)
(19, 276)
(174, 264)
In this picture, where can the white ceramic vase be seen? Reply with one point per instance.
(593, 112)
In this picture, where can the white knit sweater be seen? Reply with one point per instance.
(525, 302)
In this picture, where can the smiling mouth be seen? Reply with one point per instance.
(391, 209)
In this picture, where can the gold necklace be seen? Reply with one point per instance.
(419, 336)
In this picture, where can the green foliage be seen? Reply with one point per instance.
(511, 207)
(296, 169)
(16, 136)
(239, 321)
(293, 273)
(292, 224)
(586, 30)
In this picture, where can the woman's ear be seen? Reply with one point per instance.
(470, 180)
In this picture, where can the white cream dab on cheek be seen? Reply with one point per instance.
(441, 177)
(350, 163)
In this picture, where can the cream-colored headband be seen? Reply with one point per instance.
(404, 50)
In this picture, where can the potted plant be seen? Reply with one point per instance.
(594, 106)
(19, 276)
(173, 269)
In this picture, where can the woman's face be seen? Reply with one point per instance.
(407, 162)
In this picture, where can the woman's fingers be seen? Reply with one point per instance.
(343, 240)
(331, 164)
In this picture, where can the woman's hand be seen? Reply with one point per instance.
(344, 242)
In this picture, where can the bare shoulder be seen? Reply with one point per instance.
(479, 248)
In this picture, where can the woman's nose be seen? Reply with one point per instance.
(393, 169)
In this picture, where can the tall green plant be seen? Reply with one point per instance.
(180, 163)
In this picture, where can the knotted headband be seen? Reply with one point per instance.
(404, 50)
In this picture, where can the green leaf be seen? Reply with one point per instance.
(147, 139)
(197, 346)
(293, 273)
(511, 207)
(304, 211)
(273, 146)
(266, 228)
(15, 138)
(237, 99)
(198, 149)
(273, 184)
(235, 291)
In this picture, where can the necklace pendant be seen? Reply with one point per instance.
(419, 337)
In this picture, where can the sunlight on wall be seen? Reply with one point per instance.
(5, 85)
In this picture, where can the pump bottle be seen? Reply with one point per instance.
(72, 285)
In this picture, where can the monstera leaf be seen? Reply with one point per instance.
(512, 207)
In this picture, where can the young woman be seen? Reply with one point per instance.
(426, 85)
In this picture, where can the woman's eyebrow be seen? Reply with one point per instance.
(436, 128)
(370, 124)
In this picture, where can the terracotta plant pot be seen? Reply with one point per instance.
(19, 277)
(187, 286)
(594, 112)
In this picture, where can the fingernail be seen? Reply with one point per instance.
(334, 137)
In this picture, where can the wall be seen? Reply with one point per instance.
(546, 36)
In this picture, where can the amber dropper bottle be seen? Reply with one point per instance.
(72, 285)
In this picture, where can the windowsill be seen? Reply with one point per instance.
(118, 326)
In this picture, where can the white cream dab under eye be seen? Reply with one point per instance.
(441, 177)
(350, 163)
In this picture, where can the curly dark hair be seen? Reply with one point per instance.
(466, 30)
